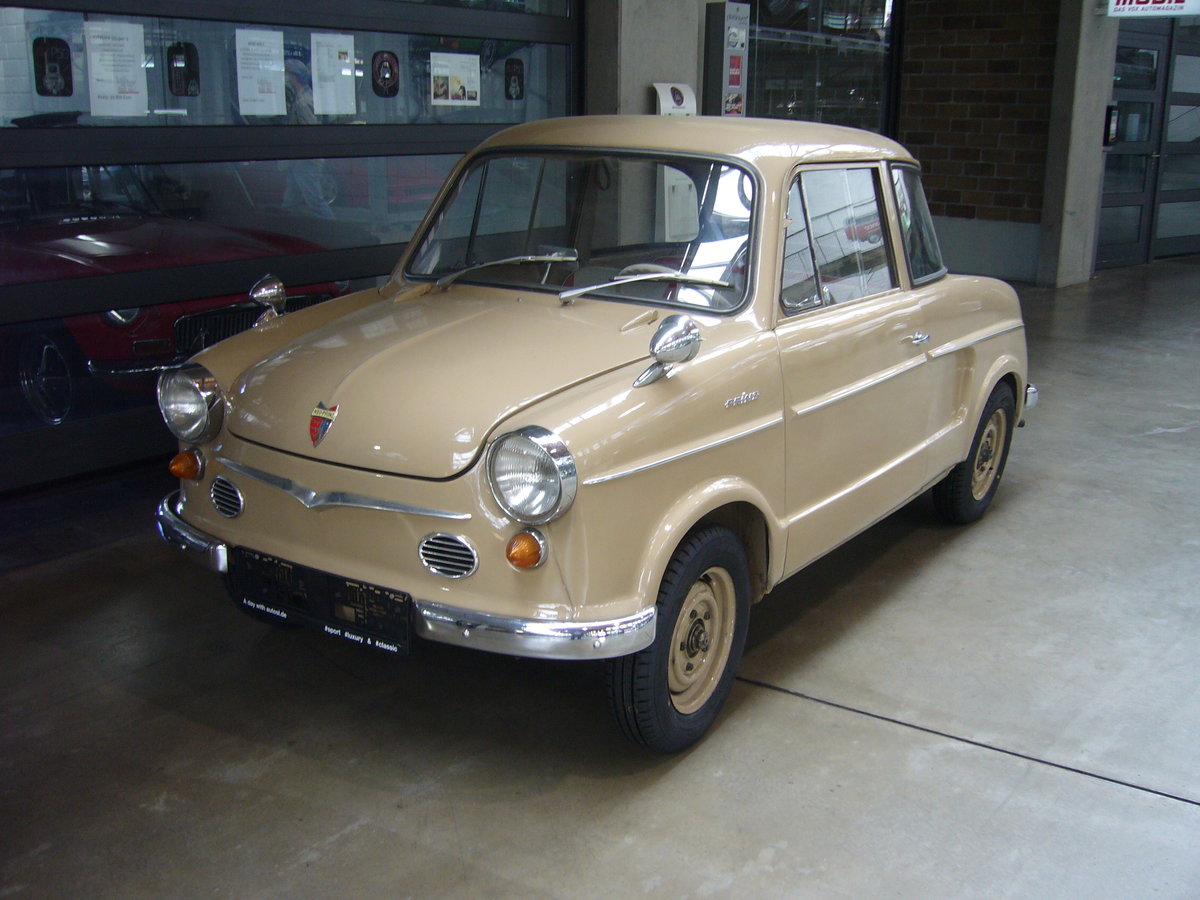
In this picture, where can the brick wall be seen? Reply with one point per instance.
(975, 90)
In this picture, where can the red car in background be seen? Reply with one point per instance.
(59, 223)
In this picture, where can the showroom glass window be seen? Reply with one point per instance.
(163, 162)
(822, 61)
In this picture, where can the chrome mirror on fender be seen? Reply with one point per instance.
(269, 291)
(677, 340)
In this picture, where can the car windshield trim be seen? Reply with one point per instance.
(683, 277)
(567, 254)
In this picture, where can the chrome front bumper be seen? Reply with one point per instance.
(544, 638)
(213, 554)
(534, 637)
(1031, 401)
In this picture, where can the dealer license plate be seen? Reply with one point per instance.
(353, 610)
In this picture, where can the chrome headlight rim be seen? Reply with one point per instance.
(207, 403)
(563, 462)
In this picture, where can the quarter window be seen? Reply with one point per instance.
(916, 226)
(799, 274)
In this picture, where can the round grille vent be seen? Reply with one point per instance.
(448, 555)
(226, 497)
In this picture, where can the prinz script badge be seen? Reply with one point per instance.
(322, 418)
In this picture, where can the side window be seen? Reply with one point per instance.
(799, 274)
(916, 226)
(847, 233)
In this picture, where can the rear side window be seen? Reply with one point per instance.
(916, 226)
(835, 248)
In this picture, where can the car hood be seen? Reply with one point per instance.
(414, 387)
(94, 245)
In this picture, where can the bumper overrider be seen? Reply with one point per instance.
(543, 638)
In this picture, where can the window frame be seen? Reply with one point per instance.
(884, 201)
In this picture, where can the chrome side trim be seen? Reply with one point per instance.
(542, 638)
(311, 499)
(601, 479)
(209, 551)
(134, 370)
(859, 386)
(955, 346)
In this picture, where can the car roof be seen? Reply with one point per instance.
(759, 141)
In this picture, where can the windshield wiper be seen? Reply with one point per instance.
(666, 275)
(565, 255)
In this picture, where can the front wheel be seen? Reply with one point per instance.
(967, 490)
(46, 371)
(666, 696)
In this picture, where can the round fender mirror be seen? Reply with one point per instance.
(269, 291)
(677, 340)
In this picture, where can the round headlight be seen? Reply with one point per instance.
(532, 475)
(190, 401)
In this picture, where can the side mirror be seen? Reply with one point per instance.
(677, 340)
(269, 291)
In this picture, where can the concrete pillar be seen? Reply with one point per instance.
(1087, 46)
(630, 44)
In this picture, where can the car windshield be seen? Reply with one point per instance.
(30, 195)
(663, 230)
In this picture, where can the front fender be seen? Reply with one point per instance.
(1008, 363)
(705, 501)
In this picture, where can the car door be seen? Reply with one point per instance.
(947, 315)
(852, 363)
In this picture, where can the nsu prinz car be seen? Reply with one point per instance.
(629, 375)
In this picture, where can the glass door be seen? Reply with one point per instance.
(1177, 229)
(1131, 169)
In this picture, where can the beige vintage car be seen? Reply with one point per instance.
(630, 374)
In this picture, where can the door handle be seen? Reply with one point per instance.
(917, 338)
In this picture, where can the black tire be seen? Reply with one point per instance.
(48, 374)
(967, 490)
(666, 696)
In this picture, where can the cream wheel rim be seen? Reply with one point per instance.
(701, 640)
(987, 457)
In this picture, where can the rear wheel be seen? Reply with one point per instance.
(967, 490)
(666, 696)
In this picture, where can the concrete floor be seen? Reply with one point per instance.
(1010, 709)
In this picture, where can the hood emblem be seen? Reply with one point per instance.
(322, 418)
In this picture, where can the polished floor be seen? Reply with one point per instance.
(1010, 709)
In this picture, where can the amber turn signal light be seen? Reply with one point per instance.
(526, 550)
(187, 465)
